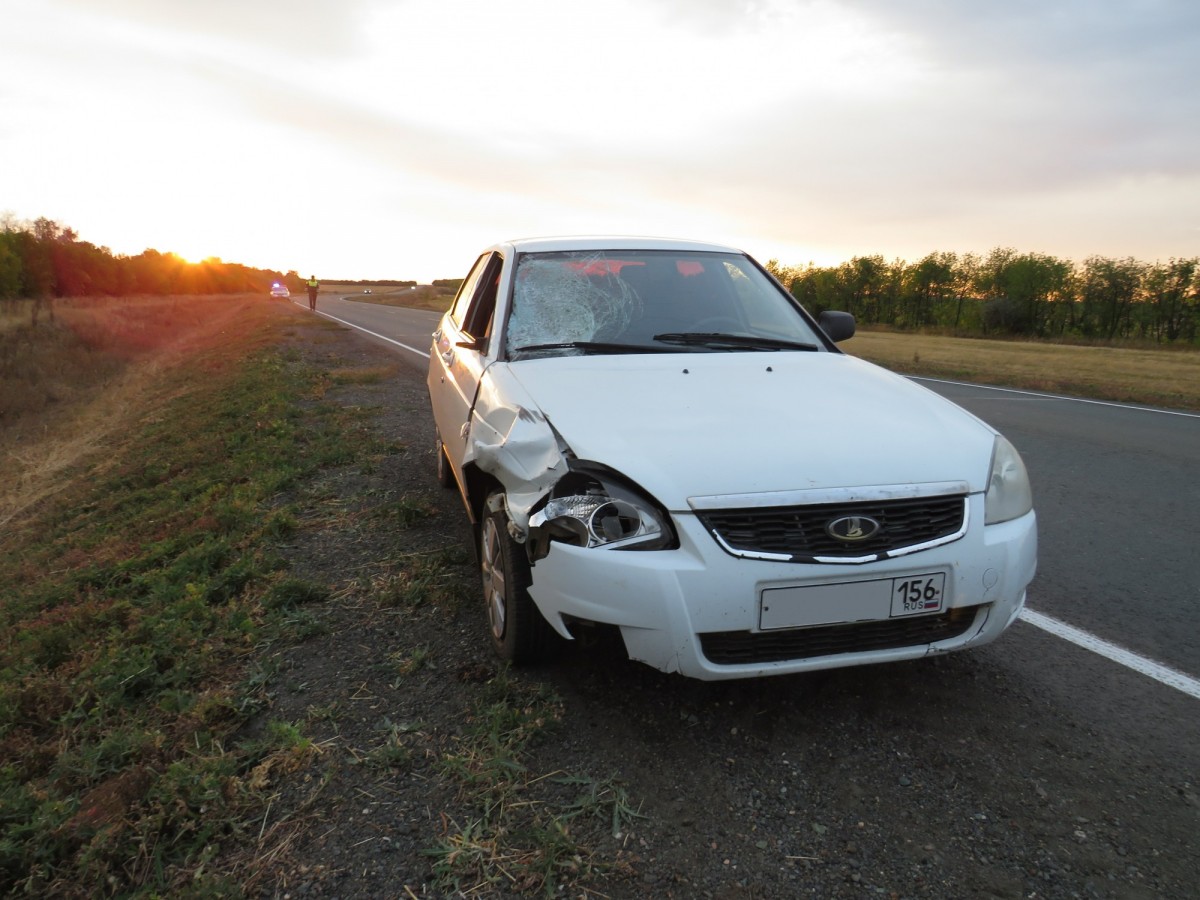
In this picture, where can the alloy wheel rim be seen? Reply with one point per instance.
(493, 578)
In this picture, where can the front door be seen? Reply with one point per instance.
(459, 356)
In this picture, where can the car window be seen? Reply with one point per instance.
(630, 297)
(475, 304)
(758, 306)
(462, 300)
(478, 319)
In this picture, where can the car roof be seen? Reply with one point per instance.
(613, 242)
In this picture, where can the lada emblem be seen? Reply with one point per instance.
(853, 529)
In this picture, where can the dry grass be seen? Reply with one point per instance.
(1155, 377)
(364, 375)
(83, 395)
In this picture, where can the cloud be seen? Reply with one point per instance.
(310, 29)
(1018, 99)
(1065, 32)
(864, 125)
(898, 151)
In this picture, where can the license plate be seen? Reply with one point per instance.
(918, 594)
(853, 601)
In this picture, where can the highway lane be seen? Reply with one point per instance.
(1118, 506)
(1117, 501)
(410, 328)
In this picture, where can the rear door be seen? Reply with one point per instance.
(460, 354)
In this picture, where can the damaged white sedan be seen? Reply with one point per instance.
(653, 435)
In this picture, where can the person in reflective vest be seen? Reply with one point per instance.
(313, 287)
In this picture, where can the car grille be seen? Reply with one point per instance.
(731, 648)
(799, 532)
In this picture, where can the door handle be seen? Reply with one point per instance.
(448, 356)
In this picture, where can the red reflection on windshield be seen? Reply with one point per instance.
(614, 266)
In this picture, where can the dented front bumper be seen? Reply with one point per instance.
(674, 606)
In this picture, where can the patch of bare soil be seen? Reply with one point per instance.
(955, 777)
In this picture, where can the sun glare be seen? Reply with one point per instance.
(193, 259)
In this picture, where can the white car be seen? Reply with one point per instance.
(653, 435)
(280, 290)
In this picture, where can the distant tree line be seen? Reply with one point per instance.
(370, 282)
(1010, 293)
(43, 260)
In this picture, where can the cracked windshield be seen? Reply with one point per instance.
(631, 301)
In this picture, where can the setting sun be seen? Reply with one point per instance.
(194, 259)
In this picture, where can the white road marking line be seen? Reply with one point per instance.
(374, 334)
(1163, 674)
(988, 387)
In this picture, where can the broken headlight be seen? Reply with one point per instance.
(593, 507)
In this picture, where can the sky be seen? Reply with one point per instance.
(378, 139)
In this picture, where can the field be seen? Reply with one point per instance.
(240, 653)
(1169, 378)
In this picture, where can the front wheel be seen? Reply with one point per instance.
(519, 632)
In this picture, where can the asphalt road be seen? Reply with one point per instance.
(410, 328)
(1118, 506)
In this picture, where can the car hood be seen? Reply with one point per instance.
(698, 425)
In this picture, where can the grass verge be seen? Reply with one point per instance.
(519, 838)
(135, 597)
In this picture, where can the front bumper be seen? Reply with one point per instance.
(696, 610)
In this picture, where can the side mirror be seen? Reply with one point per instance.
(838, 325)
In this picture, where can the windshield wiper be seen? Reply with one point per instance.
(590, 347)
(717, 340)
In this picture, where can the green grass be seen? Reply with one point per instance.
(393, 751)
(140, 600)
(421, 579)
(133, 603)
(519, 836)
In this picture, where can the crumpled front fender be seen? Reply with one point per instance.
(511, 439)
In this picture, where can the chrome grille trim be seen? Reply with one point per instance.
(760, 530)
(816, 496)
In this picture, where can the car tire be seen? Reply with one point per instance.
(519, 632)
(445, 476)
